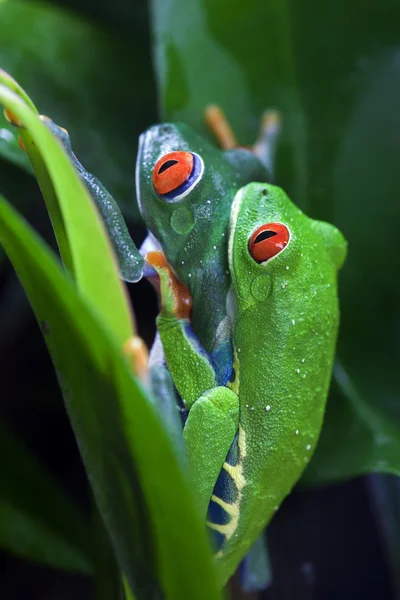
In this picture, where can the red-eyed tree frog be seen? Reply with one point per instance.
(185, 188)
(249, 441)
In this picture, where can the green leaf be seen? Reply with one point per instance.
(38, 520)
(9, 147)
(338, 159)
(95, 82)
(89, 249)
(356, 438)
(250, 67)
(136, 478)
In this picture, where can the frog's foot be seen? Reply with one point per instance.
(176, 301)
(138, 355)
(219, 125)
(265, 146)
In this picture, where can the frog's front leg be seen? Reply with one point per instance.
(213, 418)
(129, 259)
(191, 370)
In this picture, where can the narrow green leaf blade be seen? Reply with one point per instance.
(138, 483)
(93, 260)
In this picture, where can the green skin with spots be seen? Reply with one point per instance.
(285, 317)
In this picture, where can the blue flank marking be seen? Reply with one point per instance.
(216, 514)
(189, 181)
(233, 454)
(225, 487)
(217, 539)
(226, 490)
(222, 359)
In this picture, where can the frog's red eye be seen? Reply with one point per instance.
(175, 174)
(267, 241)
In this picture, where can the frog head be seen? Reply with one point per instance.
(276, 253)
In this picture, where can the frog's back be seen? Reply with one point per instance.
(284, 337)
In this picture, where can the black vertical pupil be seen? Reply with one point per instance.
(264, 235)
(167, 165)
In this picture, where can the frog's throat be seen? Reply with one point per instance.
(237, 202)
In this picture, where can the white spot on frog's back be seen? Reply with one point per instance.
(268, 408)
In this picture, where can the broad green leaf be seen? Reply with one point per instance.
(92, 80)
(93, 261)
(356, 438)
(38, 520)
(250, 67)
(352, 112)
(136, 478)
(126, 16)
(335, 77)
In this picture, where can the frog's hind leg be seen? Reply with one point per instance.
(265, 146)
(219, 125)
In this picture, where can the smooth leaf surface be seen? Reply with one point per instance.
(356, 438)
(85, 77)
(250, 67)
(92, 260)
(137, 481)
(337, 160)
(38, 520)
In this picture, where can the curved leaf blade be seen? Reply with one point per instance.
(137, 480)
(93, 261)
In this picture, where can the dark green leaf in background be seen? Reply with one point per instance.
(333, 70)
(237, 55)
(38, 520)
(87, 78)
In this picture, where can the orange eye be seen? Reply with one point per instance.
(175, 174)
(267, 241)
